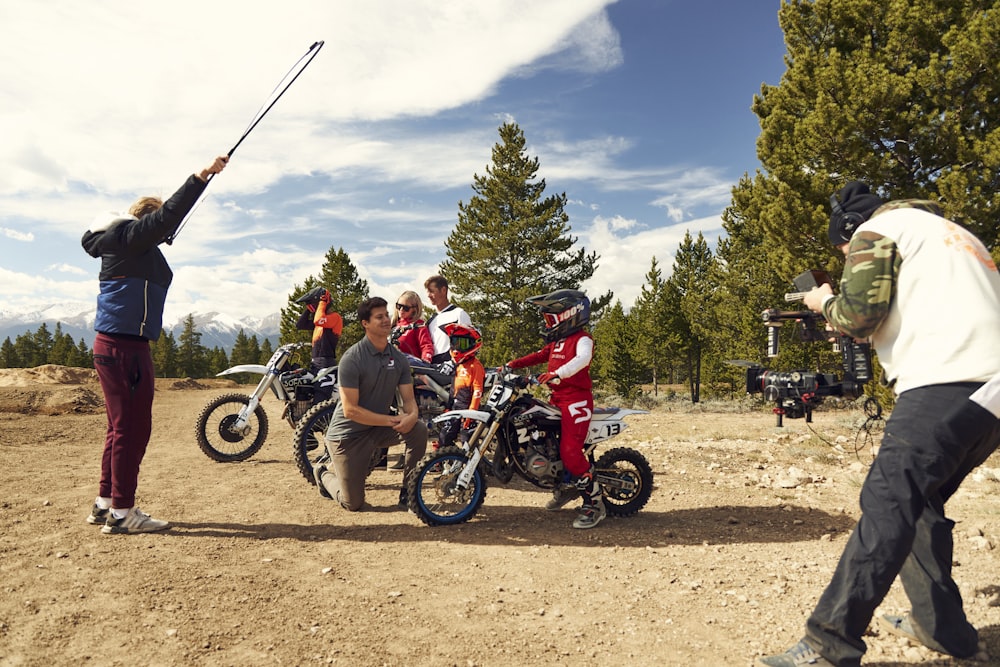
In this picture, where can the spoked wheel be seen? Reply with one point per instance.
(435, 496)
(310, 435)
(216, 432)
(626, 479)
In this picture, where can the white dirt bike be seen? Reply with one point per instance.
(233, 427)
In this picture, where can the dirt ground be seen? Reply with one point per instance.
(724, 564)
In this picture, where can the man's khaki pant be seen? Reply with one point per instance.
(350, 461)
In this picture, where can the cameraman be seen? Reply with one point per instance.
(927, 293)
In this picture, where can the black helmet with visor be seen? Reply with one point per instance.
(564, 312)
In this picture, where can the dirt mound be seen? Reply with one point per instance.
(47, 374)
(186, 383)
(175, 384)
(51, 401)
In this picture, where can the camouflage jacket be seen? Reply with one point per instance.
(871, 270)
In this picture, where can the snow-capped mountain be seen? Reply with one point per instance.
(77, 320)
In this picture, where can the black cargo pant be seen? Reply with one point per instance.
(903, 530)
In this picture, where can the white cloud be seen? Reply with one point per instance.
(16, 235)
(67, 268)
(97, 103)
(627, 250)
(370, 149)
(28, 291)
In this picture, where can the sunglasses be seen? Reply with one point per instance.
(401, 306)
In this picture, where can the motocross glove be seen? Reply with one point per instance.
(549, 378)
(326, 296)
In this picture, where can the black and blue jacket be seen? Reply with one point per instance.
(134, 274)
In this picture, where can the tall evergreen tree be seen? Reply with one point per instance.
(217, 361)
(62, 347)
(655, 342)
(8, 354)
(690, 295)
(510, 243)
(192, 356)
(164, 353)
(242, 352)
(43, 344)
(266, 350)
(615, 362)
(26, 348)
(902, 95)
(84, 356)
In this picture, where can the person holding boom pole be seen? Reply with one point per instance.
(134, 280)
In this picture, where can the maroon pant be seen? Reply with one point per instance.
(125, 369)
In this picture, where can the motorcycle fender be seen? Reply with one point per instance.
(615, 414)
(607, 423)
(244, 368)
(477, 415)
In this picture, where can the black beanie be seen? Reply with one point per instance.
(855, 197)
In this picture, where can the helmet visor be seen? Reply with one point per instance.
(462, 343)
(551, 320)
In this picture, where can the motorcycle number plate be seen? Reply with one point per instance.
(499, 395)
(603, 430)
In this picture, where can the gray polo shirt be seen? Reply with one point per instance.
(375, 375)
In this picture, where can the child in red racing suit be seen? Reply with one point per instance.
(467, 388)
(568, 352)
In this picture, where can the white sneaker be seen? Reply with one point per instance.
(136, 521)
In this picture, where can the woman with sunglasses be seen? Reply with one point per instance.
(409, 332)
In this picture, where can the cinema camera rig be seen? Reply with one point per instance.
(796, 393)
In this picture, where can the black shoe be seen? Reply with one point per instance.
(399, 464)
(98, 516)
(404, 498)
(318, 471)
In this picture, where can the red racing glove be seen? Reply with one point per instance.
(549, 378)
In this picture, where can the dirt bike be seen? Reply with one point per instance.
(233, 427)
(518, 433)
(432, 390)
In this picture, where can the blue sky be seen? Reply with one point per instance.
(639, 110)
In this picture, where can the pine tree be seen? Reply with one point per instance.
(84, 356)
(8, 355)
(217, 361)
(689, 297)
(510, 243)
(63, 348)
(902, 95)
(242, 353)
(26, 349)
(43, 345)
(655, 343)
(614, 360)
(192, 356)
(266, 350)
(164, 353)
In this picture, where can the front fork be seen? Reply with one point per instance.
(241, 425)
(476, 453)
